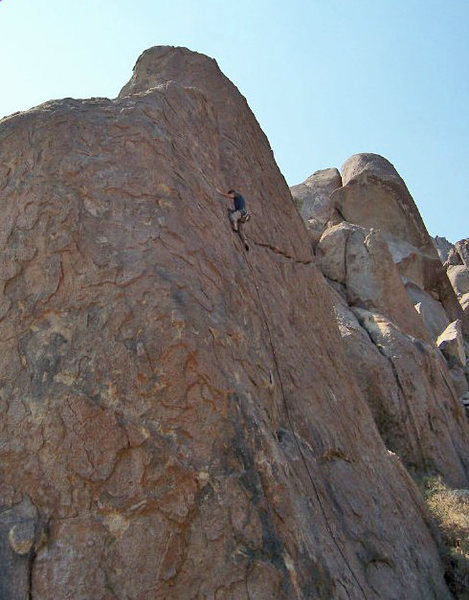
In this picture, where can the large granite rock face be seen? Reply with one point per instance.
(313, 198)
(360, 260)
(406, 386)
(394, 301)
(179, 412)
(375, 196)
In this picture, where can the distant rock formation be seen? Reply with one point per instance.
(185, 419)
(392, 295)
(455, 259)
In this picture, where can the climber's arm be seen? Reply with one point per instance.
(223, 194)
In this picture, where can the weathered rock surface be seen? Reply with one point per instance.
(360, 259)
(464, 301)
(179, 411)
(313, 198)
(462, 248)
(458, 377)
(443, 247)
(394, 276)
(375, 196)
(425, 397)
(21, 534)
(406, 386)
(459, 277)
(455, 259)
(387, 397)
(451, 343)
(432, 312)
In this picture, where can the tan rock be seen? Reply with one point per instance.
(451, 343)
(360, 259)
(427, 398)
(443, 247)
(377, 381)
(313, 198)
(462, 247)
(375, 196)
(464, 300)
(432, 312)
(179, 410)
(459, 277)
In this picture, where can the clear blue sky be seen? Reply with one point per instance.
(325, 78)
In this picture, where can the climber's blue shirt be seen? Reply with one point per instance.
(239, 203)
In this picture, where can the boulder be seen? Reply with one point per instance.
(432, 312)
(415, 265)
(360, 260)
(451, 343)
(427, 398)
(453, 259)
(462, 247)
(313, 199)
(377, 381)
(375, 196)
(459, 277)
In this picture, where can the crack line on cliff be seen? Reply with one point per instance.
(300, 451)
(282, 252)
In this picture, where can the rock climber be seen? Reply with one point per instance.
(238, 214)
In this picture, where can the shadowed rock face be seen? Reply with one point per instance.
(180, 411)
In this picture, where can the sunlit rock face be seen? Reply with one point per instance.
(393, 301)
(374, 195)
(179, 416)
(313, 200)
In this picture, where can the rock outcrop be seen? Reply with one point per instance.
(462, 248)
(392, 295)
(455, 259)
(313, 198)
(374, 195)
(179, 414)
